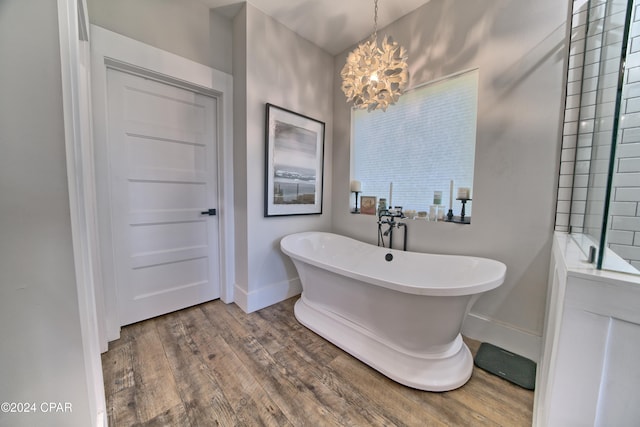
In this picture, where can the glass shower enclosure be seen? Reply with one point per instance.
(603, 103)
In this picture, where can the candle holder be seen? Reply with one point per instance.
(464, 202)
(462, 219)
(356, 210)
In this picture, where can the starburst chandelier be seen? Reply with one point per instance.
(375, 77)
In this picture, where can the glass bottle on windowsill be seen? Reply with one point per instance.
(382, 205)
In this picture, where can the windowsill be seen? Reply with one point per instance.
(456, 219)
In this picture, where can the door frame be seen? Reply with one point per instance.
(73, 33)
(112, 50)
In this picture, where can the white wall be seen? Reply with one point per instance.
(41, 357)
(185, 27)
(272, 64)
(520, 50)
(240, 176)
(221, 41)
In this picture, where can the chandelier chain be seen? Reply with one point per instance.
(374, 36)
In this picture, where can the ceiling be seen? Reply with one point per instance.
(334, 25)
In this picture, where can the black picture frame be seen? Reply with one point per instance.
(294, 163)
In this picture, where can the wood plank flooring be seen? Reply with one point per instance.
(214, 365)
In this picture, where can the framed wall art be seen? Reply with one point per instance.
(368, 205)
(294, 163)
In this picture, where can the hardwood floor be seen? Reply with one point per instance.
(214, 365)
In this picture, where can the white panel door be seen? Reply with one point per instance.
(162, 166)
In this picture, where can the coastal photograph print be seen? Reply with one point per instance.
(294, 163)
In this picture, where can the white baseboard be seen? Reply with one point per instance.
(266, 296)
(101, 419)
(518, 341)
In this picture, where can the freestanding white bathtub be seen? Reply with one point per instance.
(401, 316)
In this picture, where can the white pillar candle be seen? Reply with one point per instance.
(451, 195)
(390, 205)
(356, 186)
(464, 193)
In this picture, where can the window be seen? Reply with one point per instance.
(419, 144)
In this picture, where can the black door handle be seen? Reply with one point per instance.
(210, 212)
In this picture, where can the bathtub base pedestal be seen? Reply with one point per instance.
(441, 371)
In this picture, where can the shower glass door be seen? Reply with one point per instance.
(605, 201)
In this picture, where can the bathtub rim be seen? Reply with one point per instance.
(457, 290)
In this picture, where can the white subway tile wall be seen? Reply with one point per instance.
(589, 119)
(624, 232)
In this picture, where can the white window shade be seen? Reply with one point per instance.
(420, 144)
